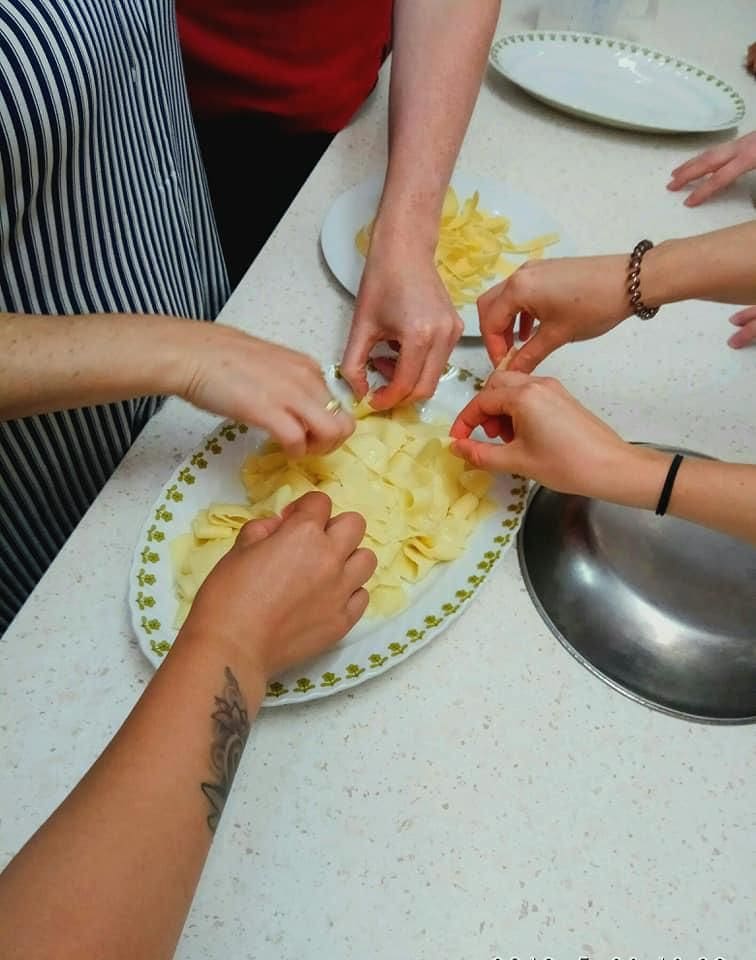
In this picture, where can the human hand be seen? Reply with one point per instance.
(746, 321)
(721, 165)
(230, 373)
(557, 442)
(289, 589)
(574, 298)
(401, 301)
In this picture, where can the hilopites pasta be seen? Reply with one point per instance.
(420, 503)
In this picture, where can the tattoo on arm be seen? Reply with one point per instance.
(230, 732)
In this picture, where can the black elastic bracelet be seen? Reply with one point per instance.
(661, 507)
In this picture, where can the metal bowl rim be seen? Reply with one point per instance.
(625, 691)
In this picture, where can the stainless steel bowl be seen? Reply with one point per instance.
(661, 609)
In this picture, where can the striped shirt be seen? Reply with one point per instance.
(103, 208)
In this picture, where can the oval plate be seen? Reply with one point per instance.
(355, 207)
(662, 610)
(212, 473)
(617, 82)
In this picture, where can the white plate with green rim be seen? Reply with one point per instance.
(617, 82)
(212, 473)
(356, 206)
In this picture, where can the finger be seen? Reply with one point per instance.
(499, 427)
(696, 167)
(435, 363)
(525, 327)
(356, 606)
(256, 530)
(361, 341)
(496, 457)
(326, 430)
(536, 349)
(409, 366)
(716, 182)
(359, 568)
(346, 532)
(494, 401)
(743, 316)
(745, 335)
(290, 432)
(496, 316)
(314, 506)
(385, 366)
(491, 426)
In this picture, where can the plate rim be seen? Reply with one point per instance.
(597, 39)
(282, 691)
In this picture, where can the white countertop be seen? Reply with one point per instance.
(487, 797)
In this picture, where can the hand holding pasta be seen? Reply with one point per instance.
(555, 440)
(411, 291)
(420, 503)
(226, 371)
(575, 298)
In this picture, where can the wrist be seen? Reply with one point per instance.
(407, 221)
(633, 476)
(174, 345)
(210, 647)
(661, 278)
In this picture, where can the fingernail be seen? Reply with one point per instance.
(732, 342)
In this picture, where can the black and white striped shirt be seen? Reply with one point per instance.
(103, 208)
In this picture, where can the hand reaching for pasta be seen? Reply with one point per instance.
(289, 589)
(720, 166)
(572, 298)
(401, 301)
(256, 382)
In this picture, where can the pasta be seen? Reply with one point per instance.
(472, 249)
(420, 503)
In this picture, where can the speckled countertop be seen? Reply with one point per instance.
(488, 797)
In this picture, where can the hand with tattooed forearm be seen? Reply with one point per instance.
(113, 871)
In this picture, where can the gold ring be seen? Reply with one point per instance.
(333, 406)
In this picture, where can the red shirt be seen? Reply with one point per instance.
(310, 62)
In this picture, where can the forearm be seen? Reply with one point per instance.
(60, 362)
(719, 266)
(112, 873)
(439, 55)
(712, 493)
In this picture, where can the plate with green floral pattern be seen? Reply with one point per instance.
(212, 473)
(617, 82)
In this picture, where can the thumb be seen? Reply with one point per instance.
(496, 457)
(530, 354)
(310, 506)
(256, 530)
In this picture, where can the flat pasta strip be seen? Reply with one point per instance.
(420, 502)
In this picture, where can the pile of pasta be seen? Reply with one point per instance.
(420, 502)
(472, 247)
